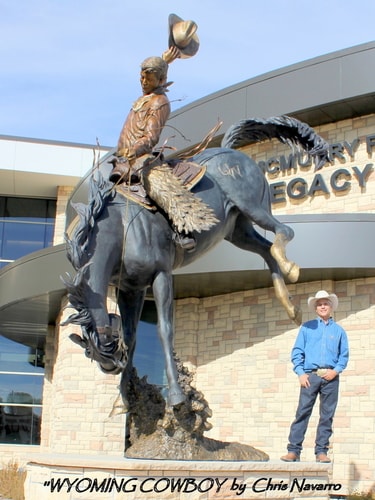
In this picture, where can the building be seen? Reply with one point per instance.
(229, 326)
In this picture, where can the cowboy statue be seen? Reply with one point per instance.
(139, 171)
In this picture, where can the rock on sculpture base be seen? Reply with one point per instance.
(165, 447)
(155, 430)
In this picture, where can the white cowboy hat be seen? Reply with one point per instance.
(322, 294)
(182, 34)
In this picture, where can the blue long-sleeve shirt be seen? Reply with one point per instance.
(320, 345)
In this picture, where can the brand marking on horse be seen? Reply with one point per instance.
(234, 171)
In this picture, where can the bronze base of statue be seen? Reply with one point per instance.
(158, 431)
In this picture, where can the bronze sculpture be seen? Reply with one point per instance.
(121, 241)
(139, 251)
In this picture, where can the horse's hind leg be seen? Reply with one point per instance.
(130, 304)
(289, 268)
(245, 237)
(163, 294)
(283, 234)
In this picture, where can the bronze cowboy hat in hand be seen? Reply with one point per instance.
(182, 34)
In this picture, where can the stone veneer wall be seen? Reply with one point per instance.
(239, 346)
(63, 194)
(78, 398)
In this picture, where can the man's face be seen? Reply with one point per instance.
(149, 82)
(323, 308)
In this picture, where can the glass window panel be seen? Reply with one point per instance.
(16, 357)
(51, 210)
(26, 225)
(21, 389)
(20, 425)
(19, 419)
(26, 207)
(22, 239)
(149, 357)
(31, 209)
(2, 206)
(49, 232)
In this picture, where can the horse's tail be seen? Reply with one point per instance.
(284, 128)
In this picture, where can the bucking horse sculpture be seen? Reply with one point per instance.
(121, 243)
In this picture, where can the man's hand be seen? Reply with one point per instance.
(122, 152)
(304, 380)
(127, 153)
(171, 54)
(330, 375)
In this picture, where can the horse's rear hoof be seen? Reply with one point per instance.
(176, 398)
(293, 273)
(297, 318)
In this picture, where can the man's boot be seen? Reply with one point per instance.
(120, 171)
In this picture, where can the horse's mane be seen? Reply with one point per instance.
(101, 190)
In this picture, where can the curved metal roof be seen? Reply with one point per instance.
(322, 90)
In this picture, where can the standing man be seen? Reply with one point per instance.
(319, 355)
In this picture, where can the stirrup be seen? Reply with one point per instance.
(185, 241)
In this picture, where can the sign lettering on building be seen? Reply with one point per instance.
(326, 181)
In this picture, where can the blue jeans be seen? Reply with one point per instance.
(328, 392)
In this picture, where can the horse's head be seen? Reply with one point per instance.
(106, 345)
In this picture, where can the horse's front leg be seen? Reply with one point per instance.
(102, 333)
(163, 294)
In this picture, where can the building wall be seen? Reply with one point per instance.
(78, 399)
(239, 344)
(355, 198)
(241, 359)
(63, 193)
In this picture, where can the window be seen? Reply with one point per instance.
(149, 357)
(21, 388)
(26, 225)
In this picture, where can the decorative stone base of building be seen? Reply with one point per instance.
(71, 477)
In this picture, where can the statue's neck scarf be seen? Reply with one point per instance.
(141, 101)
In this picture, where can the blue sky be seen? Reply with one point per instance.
(69, 69)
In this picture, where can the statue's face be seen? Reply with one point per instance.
(149, 82)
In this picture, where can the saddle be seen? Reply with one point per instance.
(187, 172)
